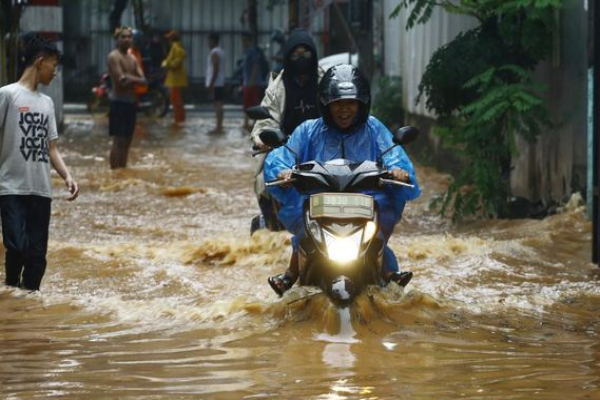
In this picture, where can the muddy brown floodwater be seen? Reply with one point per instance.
(155, 290)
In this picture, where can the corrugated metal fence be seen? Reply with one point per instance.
(88, 40)
(45, 17)
(407, 53)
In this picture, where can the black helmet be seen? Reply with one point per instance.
(344, 82)
(138, 37)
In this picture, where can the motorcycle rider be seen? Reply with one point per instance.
(345, 130)
(291, 98)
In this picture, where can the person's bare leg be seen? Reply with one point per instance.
(115, 154)
(126, 147)
(218, 106)
(119, 151)
(219, 115)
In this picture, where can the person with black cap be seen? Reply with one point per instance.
(291, 99)
(345, 130)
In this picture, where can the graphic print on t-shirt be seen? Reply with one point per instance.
(34, 139)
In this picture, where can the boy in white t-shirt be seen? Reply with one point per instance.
(28, 147)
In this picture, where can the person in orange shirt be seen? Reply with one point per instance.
(140, 89)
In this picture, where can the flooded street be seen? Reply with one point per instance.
(155, 290)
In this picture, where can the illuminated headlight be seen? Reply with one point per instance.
(315, 230)
(343, 250)
(370, 229)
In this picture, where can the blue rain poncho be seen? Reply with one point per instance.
(313, 140)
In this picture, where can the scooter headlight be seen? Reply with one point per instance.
(370, 229)
(343, 249)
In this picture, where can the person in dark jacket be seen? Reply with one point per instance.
(291, 99)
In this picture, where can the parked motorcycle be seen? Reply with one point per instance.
(154, 103)
(341, 253)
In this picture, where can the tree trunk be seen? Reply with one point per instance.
(140, 20)
(12, 44)
(3, 64)
(115, 15)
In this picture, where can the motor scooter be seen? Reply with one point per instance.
(341, 252)
(154, 103)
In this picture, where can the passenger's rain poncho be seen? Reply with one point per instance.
(315, 141)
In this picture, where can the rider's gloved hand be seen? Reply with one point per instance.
(400, 175)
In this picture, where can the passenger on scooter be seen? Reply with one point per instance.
(291, 99)
(345, 130)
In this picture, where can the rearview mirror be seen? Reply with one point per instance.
(400, 137)
(273, 137)
(405, 135)
(258, 112)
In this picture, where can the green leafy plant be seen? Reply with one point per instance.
(481, 87)
(484, 133)
(387, 104)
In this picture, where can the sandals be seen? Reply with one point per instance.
(401, 278)
(281, 283)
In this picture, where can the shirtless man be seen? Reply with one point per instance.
(124, 72)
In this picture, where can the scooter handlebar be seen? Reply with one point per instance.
(280, 182)
(385, 181)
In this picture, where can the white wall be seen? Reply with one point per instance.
(407, 53)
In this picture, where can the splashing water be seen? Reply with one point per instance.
(154, 289)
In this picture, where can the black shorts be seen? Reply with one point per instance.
(219, 93)
(121, 118)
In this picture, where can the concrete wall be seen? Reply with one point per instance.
(557, 165)
(3, 77)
